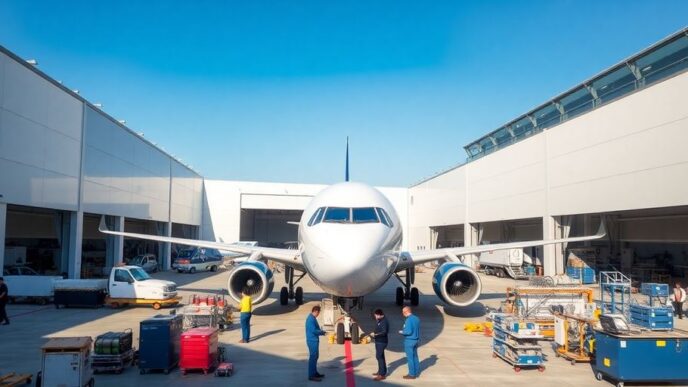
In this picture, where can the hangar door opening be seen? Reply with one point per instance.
(269, 227)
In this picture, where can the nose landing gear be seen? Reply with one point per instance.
(407, 292)
(287, 293)
(346, 327)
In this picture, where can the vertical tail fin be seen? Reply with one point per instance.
(346, 176)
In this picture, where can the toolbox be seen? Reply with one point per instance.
(113, 343)
(645, 356)
(655, 318)
(159, 343)
(199, 349)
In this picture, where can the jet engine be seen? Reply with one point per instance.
(252, 277)
(456, 284)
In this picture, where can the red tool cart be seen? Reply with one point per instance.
(199, 349)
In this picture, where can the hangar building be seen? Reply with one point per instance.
(610, 147)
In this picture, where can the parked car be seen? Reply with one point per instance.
(147, 262)
(197, 259)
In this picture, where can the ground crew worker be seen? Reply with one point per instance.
(246, 309)
(678, 298)
(313, 333)
(4, 296)
(380, 336)
(411, 333)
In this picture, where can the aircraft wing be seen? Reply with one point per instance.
(412, 258)
(288, 257)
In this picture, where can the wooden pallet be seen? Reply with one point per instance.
(13, 379)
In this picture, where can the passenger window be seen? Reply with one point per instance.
(364, 215)
(337, 215)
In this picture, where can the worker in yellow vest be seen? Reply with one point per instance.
(246, 308)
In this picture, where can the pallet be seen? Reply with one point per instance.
(12, 379)
(112, 363)
(165, 371)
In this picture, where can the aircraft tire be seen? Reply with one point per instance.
(284, 296)
(400, 296)
(340, 333)
(298, 296)
(415, 297)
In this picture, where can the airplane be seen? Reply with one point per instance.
(349, 244)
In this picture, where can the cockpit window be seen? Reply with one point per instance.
(337, 215)
(364, 215)
(317, 216)
(384, 217)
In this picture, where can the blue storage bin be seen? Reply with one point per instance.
(654, 290)
(585, 274)
(654, 318)
(159, 342)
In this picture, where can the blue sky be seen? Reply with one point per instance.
(268, 90)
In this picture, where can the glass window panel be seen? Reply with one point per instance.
(337, 214)
(522, 128)
(615, 84)
(315, 219)
(577, 102)
(502, 136)
(664, 61)
(473, 149)
(383, 218)
(547, 116)
(364, 215)
(386, 215)
(486, 143)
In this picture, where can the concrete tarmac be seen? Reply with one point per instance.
(277, 354)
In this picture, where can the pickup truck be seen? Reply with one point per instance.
(127, 285)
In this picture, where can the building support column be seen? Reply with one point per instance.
(587, 228)
(118, 241)
(76, 237)
(3, 231)
(166, 254)
(553, 257)
(471, 238)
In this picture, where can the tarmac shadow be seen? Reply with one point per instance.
(476, 309)
(266, 334)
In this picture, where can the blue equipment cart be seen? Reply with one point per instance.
(159, 342)
(646, 356)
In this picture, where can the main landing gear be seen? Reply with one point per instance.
(407, 292)
(346, 327)
(290, 293)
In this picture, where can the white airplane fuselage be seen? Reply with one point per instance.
(349, 258)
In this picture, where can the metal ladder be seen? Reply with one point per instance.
(615, 292)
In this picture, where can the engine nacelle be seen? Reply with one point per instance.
(253, 277)
(456, 284)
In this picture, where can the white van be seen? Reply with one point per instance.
(197, 259)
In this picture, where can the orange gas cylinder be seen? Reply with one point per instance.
(221, 302)
(211, 300)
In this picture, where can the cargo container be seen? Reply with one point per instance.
(159, 343)
(199, 349)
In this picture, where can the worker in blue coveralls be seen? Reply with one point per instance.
(313, 333)
(411, 333)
